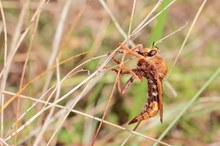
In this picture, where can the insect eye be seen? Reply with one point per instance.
(152, 53)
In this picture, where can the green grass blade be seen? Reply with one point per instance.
(209, 81)
(158, 30)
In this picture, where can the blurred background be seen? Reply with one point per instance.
(79, 34)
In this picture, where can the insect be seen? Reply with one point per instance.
(150, 66)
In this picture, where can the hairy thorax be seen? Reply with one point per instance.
(154, 67)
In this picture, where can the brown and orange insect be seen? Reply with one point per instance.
(151, 66)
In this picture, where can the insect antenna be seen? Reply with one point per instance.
(153, 45)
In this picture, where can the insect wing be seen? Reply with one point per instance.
(160, 95)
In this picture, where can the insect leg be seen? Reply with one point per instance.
(133, 73)
(127, 69)
(122, 73)
(115, 60)
(123, 89)
(128, 51)
(138, 47)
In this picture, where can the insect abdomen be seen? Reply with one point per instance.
(151, 111)
(152, 106)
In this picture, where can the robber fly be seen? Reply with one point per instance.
(151, 66)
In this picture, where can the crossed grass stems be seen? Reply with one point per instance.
(93, 78)
(77, 99)
(61, 82)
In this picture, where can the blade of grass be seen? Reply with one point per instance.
(117, 25)
(3, 142)
(57, 41)
(208, 82)
(16, 37)
(167, 36)
(148, 15)
(49, 116)
(8, 62)
(203, 87)
(158, 30)
(164, 6)
(145, 24)
(187, 36)
(93, 75)
(37, 77)
(3, 82)
(118, 75)
(86, 115)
